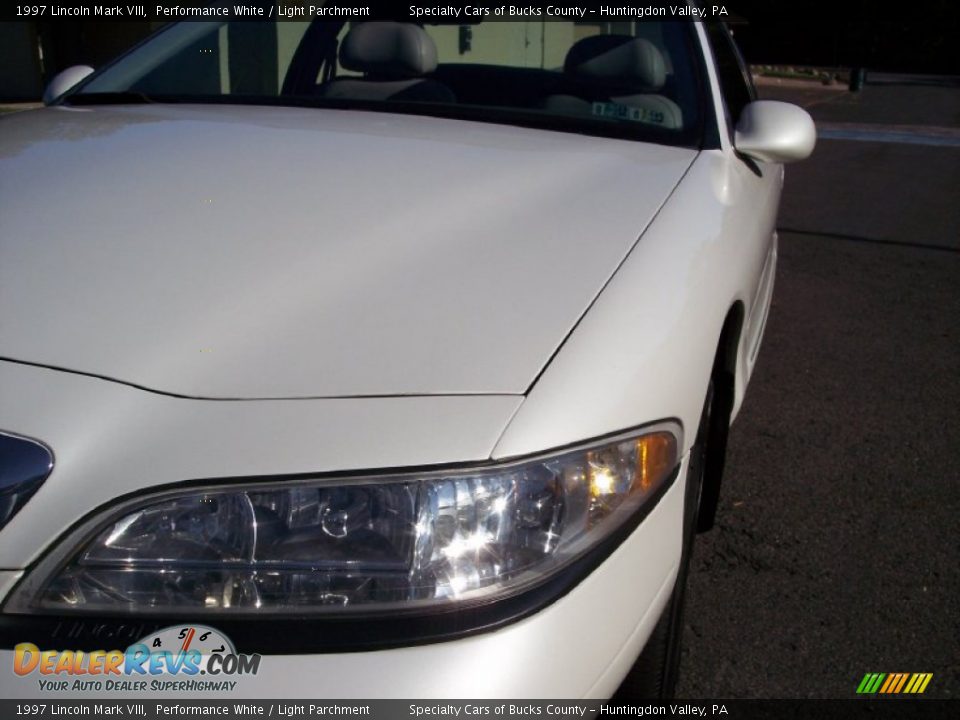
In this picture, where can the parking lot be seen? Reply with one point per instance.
(836, 550)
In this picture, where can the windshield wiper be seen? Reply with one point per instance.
(109, 98)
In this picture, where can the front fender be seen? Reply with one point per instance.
(645, 348)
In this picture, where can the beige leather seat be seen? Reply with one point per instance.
(393, 58)
(624, 75)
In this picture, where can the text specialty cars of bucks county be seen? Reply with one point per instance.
(377, 359)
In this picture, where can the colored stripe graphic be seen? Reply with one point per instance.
(870, 683)
(898, 680)
(891, 680)
(894, 683)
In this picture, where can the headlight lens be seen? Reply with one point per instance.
(364, 544)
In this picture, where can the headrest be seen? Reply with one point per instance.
(617, 57)
(388, 48)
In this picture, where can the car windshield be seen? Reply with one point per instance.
(625, 79)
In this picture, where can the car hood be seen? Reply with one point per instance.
(252, 252)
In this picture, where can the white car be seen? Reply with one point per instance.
(376, 359)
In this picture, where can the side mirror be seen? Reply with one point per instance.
(772, 131)
(65, 80)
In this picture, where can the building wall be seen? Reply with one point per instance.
(31, 53)
(20, 73)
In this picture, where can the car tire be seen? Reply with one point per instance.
(654, 674)
(715, 433)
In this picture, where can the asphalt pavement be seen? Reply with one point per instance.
(837, 549)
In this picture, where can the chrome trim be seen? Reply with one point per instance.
(25, 464)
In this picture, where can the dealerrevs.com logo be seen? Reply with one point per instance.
(171, 660)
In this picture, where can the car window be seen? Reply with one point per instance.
(635, 79)
(735, 80)
(241, 58)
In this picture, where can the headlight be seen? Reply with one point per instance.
(367, 544)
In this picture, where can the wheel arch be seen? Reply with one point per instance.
(724, 379)
(728, 345)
